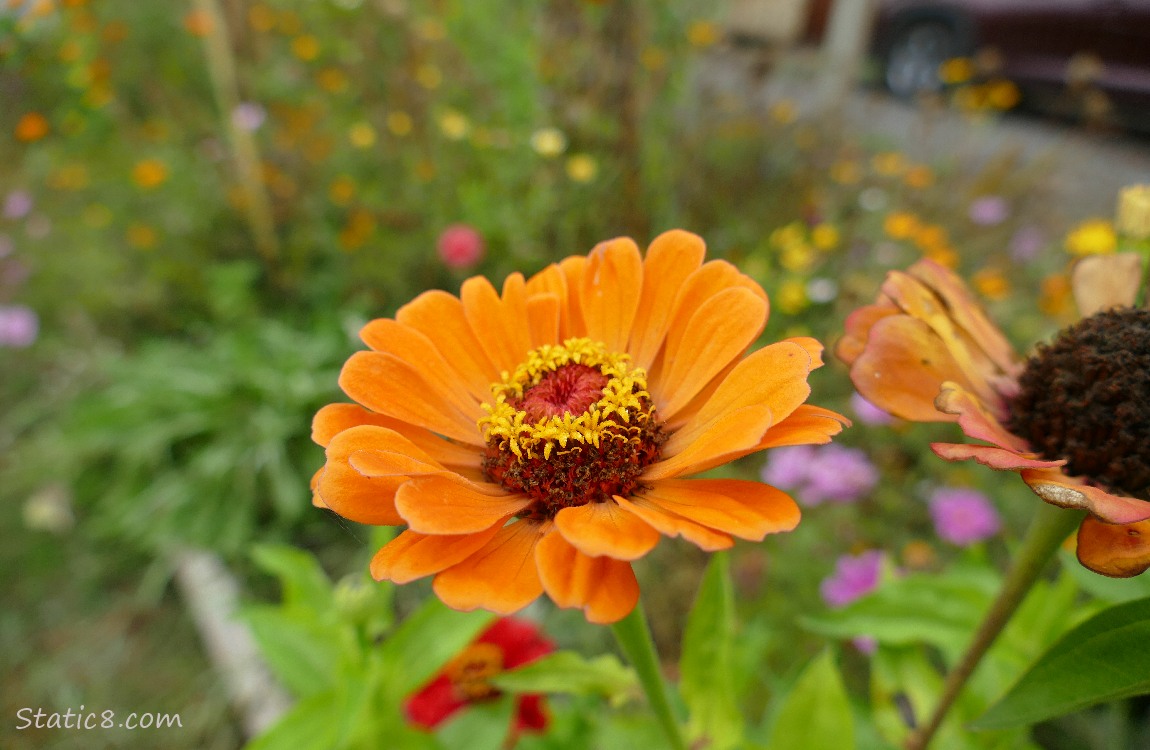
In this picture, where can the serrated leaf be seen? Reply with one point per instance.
(570, 673)
(707, 678)
(1103, 659)
(816, 714)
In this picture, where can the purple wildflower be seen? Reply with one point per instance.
(868, 413)
(249, 116)
(17, 204)
(1026, 244)
(963, 516)
(838, 474)
(789, 466)
(854, 576)
(18, 326)
(988, 210)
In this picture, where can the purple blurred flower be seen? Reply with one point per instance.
(854, 576)
(819, 474)
(988, 210)
(17, 204)
(6, 245)
(1026, 243)
(249, 116)
(868, 413)
(789, 466)
(963, 516)
(18, 326)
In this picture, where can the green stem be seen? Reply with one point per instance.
(634, 637)
(1048, 529)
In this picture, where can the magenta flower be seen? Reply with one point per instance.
(19, 326)
(788, 467)
(868, 413)
(988, 210)
(826, 473)
(460, 246)
(963, 516)
(854, 576)
(17, 204)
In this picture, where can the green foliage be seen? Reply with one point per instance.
(566, 672)
(816, 714)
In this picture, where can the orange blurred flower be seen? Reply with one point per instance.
(539, 440)
(1072, 420)
(32, 126)
(149, 173)
(198, 23)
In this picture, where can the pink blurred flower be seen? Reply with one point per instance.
(19, 326)
(249, 116)
(988, 210)
(868, 413)
(820, 474)
(963, 516)
(854, 576)
(789, 466)
(460, 246)
(1026, 243)
(17, 204)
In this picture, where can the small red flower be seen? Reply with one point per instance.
(508, 643)
(460, 246)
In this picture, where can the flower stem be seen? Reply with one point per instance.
(1048, 529)
(634, 637)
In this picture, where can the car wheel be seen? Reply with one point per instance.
(914, 56)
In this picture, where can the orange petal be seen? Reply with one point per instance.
(807, 425)
(439, 316)
(573, 268)
(671, 258)
(1115, 550)
(542, 320)
(316, 500)
(903, 368)
(412, 555)
(388, 385)
(674, 525)
(605, 528)
(975, 420)
(1068, 492)
(438, 505)
(501, 576)
(995, 458)
(406, 461)
(390, 337)
(501, 324)
(605, 588)
(610, 291)
(333, 419)
(858, 326)
(735, 433)
(351, 494)
(720, 330)
(749, 510)
(774, 376)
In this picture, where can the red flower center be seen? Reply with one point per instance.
(569, 390)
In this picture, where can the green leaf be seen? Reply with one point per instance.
(570, 673)
(301, 651)
(309, 725)
(707, 678)
(424, 642)
(1103, 659)
(305, 585)
(480, 724)
(816, 715)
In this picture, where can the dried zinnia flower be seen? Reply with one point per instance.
(1072, 420)
(539, 440)
(466, 680)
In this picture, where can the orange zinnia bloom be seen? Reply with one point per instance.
(1071, 420)
(537, 440)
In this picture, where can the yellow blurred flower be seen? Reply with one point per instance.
(149, 173)
(1002, 94)
(454, 124)
(791, 297)
(653, 58)
(797, 256)
(991, 283)
(956, 70)
(430, 29)
(918, 555)
(846, 172)
(31, 126)
(928, 236)
(582, 167)
(1092, 237)
(261, 18)
(1057, 297)
(900, 225)
(358, 229)
(305, 47)
(784, 111)
(825, 236)
(888, 163)
(919, 176)
(69, 177)
(549, 142)
(399, 123)
(341, 190)
(361, 135)
(142, 236)
(943, 255)
(788, 234)
(1133, 219)
(198, 23)
(333, 80)
(428, 76)
(702, 34)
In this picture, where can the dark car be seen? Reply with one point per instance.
(1049, 48)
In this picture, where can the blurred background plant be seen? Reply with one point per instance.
(200, 202)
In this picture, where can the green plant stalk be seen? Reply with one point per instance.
(634, 637)
(1048, 529)
(245, 151)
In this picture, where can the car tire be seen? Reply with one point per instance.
(914, 55)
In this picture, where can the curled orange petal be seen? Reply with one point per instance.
(1115, 550)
